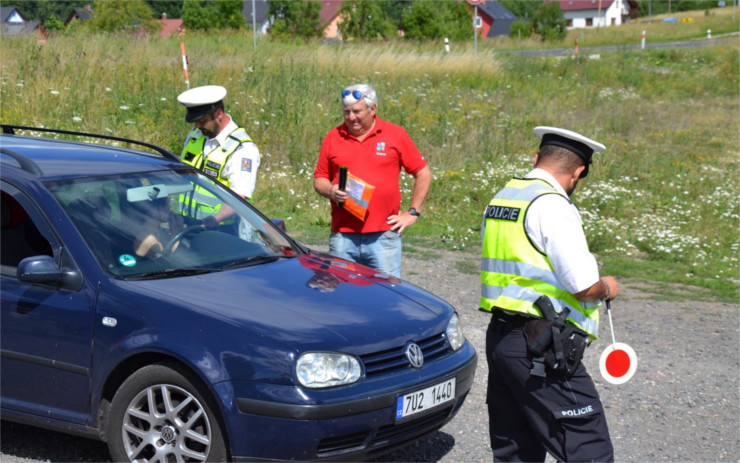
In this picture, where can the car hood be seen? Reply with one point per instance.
(310, 302)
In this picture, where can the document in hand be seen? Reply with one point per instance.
(359, 193)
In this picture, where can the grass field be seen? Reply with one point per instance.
(661, 204)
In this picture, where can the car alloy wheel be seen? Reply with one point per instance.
(158, 415)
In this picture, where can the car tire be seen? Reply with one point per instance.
(159, 414)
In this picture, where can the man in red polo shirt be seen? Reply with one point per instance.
(373, 150)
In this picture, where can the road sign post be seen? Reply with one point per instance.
(476, 23)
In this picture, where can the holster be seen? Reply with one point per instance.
(553, 342)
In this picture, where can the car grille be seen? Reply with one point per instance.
(394, 359)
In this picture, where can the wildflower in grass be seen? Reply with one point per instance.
(124, 107)
(54, 92)
(108, 89)
(77, 119)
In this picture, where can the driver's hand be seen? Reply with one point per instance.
(210, 222)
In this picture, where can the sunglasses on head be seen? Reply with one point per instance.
(356, 94)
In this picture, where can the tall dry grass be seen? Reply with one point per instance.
(665, 191)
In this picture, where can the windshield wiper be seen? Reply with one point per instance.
(254, 260)
(171, 273)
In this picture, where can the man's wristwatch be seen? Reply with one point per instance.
(414, 212)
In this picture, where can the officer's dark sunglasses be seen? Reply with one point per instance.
(356, 94)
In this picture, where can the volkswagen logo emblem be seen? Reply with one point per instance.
(415, 355)
(168, 434)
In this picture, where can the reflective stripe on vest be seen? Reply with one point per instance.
(514, 273)
(202, 203)
(215, 161)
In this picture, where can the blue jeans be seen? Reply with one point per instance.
(380, 250)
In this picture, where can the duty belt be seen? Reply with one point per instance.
(508, 319)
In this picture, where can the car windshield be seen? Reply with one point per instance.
(168, 223)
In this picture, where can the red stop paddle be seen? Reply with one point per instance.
(618, 362)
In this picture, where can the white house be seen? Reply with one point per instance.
(597, 13)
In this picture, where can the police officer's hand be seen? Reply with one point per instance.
(611, 287)
(401, 221)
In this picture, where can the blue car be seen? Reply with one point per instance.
(131, 315)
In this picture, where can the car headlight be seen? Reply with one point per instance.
(326, 369)
(454, 333)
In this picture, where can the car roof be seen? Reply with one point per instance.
(54, 159)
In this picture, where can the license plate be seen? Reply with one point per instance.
(425, 399)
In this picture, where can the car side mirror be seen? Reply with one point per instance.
(44, 270)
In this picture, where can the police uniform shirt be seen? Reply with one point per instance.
(554, 225)
(241, 168)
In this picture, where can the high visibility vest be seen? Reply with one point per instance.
(213, 165)
(514, 273)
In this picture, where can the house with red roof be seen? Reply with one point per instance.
(170, 26)
(597, 13)
(495, 19)
(330, 19)
(14, 24)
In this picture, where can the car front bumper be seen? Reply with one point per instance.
(357, 428)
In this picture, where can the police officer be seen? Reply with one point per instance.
(216, 145)
(533, 246)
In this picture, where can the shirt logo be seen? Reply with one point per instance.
(246, 165)
(380, 148)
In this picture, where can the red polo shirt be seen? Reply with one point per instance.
(377, 160)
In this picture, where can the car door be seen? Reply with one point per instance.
(46, 330)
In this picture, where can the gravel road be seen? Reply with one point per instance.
(681, 405)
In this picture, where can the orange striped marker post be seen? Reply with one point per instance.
(184, 63)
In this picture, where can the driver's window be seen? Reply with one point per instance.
(19, 235)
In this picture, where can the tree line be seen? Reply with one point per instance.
(365, 20)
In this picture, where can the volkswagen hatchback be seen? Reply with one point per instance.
(131, 315)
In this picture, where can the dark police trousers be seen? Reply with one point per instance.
(529, 415)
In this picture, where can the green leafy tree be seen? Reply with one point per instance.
(53, 23)
(121, 15)
(43, 10)
(434, 20)
(295, 19)
(196, 16)
(520, 30)
(208, 15)
(395, 9)
(523, 9)
(172, 8)
(365, 20)
(549, 21)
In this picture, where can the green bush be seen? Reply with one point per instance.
(521, 30)
(549, 22)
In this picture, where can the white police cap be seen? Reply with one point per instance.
(582, 146)
(199, 101)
